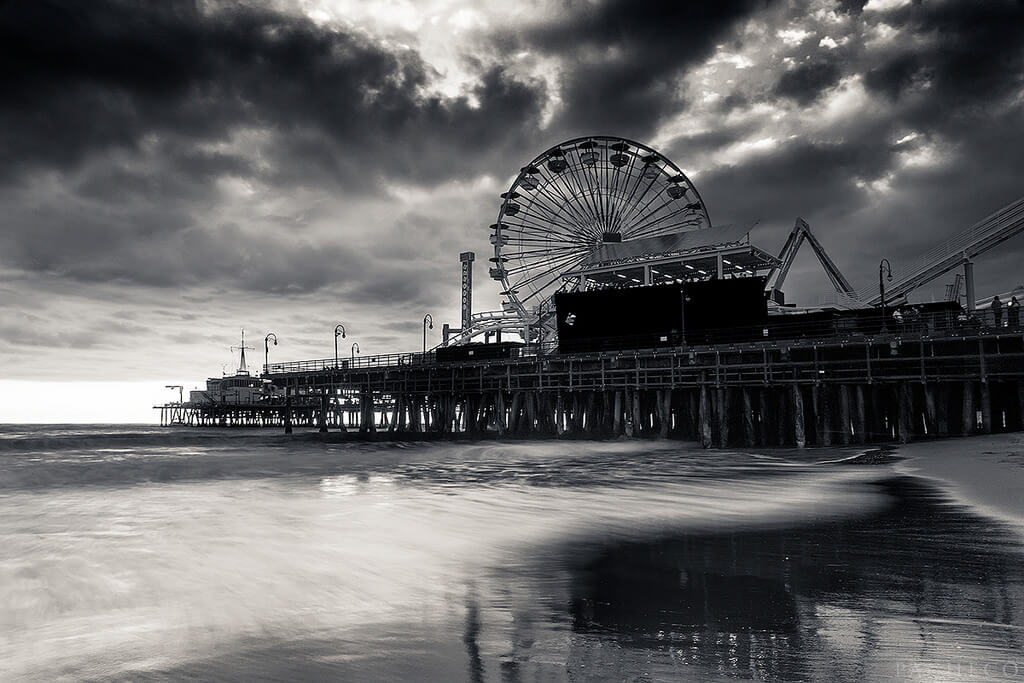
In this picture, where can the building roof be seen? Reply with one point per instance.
(675, 243)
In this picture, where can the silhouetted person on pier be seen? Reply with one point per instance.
(1013, 313)
(997, 311)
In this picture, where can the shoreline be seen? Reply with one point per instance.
(985, 473)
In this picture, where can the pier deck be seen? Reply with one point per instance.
(786, 393)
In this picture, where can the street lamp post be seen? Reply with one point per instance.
(266, 350)
(355, 350)
(339, 331)
(427, 319)
(884, 272)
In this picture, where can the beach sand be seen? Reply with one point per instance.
(984, 472)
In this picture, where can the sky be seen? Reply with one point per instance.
(173, 172)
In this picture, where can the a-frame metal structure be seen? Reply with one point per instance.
(802, 231)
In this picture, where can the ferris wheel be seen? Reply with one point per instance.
(574, 198)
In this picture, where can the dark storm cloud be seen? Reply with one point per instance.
(802, 176)
(851, 6)
(806, 82)
(78, 78)
(967, 53)
(895, 75)
(946, 85)
(623, 61)
(141, 108)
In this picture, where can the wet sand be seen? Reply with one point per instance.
(985, 472)
(255, 558)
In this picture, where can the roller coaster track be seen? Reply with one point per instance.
(487, 321)
(987, 233)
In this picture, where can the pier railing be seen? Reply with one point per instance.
(872, 326)
(344, 364)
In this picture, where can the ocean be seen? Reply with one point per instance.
(158, 554)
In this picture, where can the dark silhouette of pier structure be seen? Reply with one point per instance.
(820, 392)
(601, 233)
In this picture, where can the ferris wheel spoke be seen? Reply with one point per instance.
(553, 192)
(611, 196)
(526, 275)
(639, 177)
(641, 208)
(556, 260)
(586, 193)
(543, 226)
(618, 175)
(652, 218)
(568, 227)
(544, 251)
(652, 215)
(524, 238)
(614, 199)
(619, 180)
(596, 181)
(686, 225)
(651, 227)
(555, 270)
(664, 224)
(562, 211)
(541, 200)
(526, 242)
(551, 278)
(576, 198)
(639, 204)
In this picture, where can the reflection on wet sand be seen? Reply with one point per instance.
(247, 560)
(922, 588)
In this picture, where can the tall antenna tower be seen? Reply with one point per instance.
(242, 369)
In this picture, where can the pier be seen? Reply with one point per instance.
(634, 316)
(801, 393)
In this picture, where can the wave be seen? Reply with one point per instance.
(63, 441)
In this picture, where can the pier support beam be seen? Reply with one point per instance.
(322, 417)
(617, 414)
(287, 410)
(860, 433)
(905, 411)
(705, 417)
(639, 428)
(499, 413)
(968, 419)
(844, 414)
(722, 410)
(800, 435)
(986, 407)
(930, 411)
(664, 412)
(748, 419)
